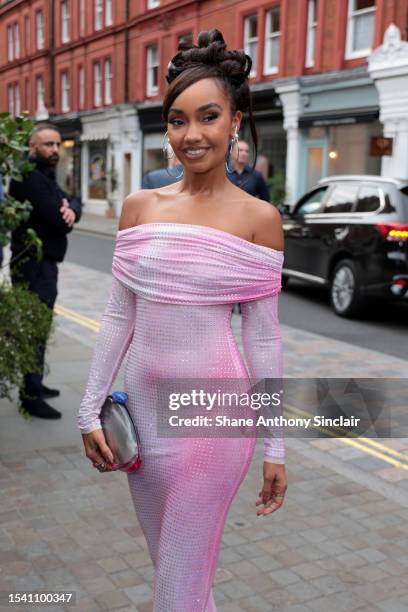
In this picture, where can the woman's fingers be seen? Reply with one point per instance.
(271, 497)
(97, 450)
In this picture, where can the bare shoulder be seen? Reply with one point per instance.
(133, 206)
(268, 229)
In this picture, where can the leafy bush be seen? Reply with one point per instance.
(25, 322)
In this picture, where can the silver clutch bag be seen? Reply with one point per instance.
(120, 433)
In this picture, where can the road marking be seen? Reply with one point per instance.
(363, 444)
(77, 318)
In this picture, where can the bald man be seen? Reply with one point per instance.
(52, 217)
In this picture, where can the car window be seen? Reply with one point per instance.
(342, 198)
(368, 199)
(311, 202)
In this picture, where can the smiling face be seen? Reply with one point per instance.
(200, 125)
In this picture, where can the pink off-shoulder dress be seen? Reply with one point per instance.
(170, 310)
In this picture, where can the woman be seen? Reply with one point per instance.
(184, 254)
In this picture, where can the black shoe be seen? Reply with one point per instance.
(37, 407)
(47, 392)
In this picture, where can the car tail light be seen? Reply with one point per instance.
(393, 231)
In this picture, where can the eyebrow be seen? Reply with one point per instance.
(200, 108)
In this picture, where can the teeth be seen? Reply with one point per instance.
(195, 151)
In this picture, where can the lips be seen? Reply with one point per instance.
(196, 153)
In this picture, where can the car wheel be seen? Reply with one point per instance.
(285, 280)
(345, 289)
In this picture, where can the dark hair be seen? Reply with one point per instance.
(44, 126)
(212, 59)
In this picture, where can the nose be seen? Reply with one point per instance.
(193, 133)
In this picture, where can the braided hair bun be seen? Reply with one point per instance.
(210, 58)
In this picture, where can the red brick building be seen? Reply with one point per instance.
(97, 67)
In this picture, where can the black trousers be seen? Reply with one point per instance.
(41, 278)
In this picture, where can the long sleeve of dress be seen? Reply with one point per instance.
(262, 343)
(114, 337)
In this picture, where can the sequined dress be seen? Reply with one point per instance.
(170, 310)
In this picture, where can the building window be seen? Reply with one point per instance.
(81, 87)
(98, 14)
(108, 13)
(17, 107)
(65, 21)
(16, 41)
(360, 28)
(10, 92)
(82, 17)
(65, 92)
(272, 41)
(10, 43)
(152, 70)
(151, 4)
(27, 34)
(311, 33)
(108, 81)
(251, 40)
(97, 84)
(27, 95)
(40, 93)
(39, 19)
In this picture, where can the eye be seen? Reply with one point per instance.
(173, 121)
(211, 116)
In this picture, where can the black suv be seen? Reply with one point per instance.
(350, 233)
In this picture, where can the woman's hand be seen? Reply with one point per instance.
(274, 487)
(97, 450)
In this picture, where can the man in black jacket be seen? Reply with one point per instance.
(52, 217)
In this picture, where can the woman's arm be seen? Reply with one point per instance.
(113, 340)
(262, 343)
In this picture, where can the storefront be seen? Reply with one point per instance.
(69, 165)
(330, 120)
(110, 159)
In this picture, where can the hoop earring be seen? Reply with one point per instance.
(231, 145)
(178, 176)
(166, 146)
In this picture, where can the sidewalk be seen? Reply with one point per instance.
(339, 543)
(97, 224)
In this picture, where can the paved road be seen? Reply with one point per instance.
(302, 306)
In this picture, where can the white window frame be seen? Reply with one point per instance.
(108, 13)
(82, 17)
(39, 83)
(97, 84)
(16, 40)
(65, 92)
(10, 43)
(39, 27)
(81, 87)
(311, 33)
(351, 16)
(152, 4)
(27, 94)
(107, 66)
(269, 38)
(17, 102)
(10, 95)
(65, 21)
(151, 89)
(251, 42)
(27, 33)
(98, 14)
